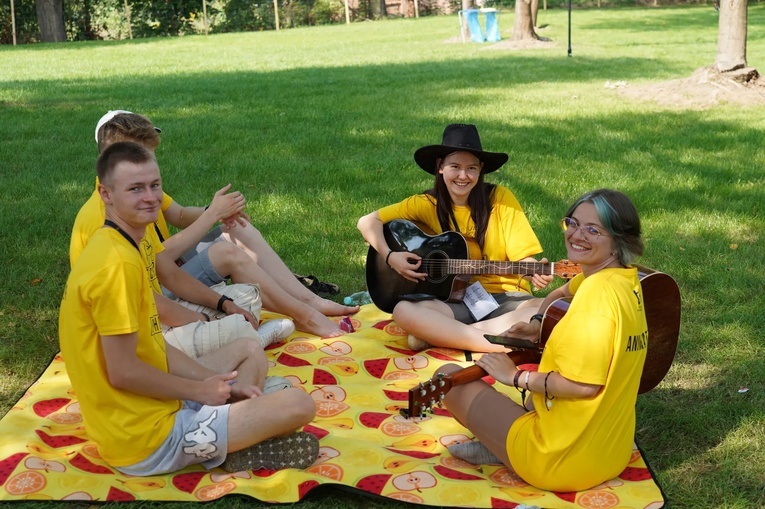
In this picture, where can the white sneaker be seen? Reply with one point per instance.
(273, 331)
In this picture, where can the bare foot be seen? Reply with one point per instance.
(331, 308)
(319, 325)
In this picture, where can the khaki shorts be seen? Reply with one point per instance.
(245, 295)
(199, 338)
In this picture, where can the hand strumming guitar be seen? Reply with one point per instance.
(406, 265)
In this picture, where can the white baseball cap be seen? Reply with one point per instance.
(109, 115)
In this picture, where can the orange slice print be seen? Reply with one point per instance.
(91, 450)
(334, 360)
(598, 500)
(328, 470)
(26, 482)
(399, 429)
(394, 330)
(299, 347)
(329, 408)
(506, 477)
(406, 497)
(453, 462)
(214, 491)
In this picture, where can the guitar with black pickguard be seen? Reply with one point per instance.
(449, 259)
(662, 312)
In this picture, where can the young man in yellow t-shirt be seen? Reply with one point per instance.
(238, 252)
(149, 407)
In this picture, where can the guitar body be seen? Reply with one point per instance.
(662, 312)
(448, 259)
(386, 286)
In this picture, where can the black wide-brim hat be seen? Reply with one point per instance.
(459, 137)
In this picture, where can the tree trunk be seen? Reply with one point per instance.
(534, 11)
(523, 29)
(50, 18)
(731, 36)
(466, 4)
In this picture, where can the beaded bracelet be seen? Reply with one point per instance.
(517, 376)
(548, 399)
(521, 390)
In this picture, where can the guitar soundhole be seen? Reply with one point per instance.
(436, 266)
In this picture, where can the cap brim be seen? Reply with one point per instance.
(427, 156)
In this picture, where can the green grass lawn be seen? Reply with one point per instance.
(318, 126)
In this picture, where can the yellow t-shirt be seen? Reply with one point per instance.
(602, 339)
(509, 236)
(108, 294)
(91, 217)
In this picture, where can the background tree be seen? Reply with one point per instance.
(731, 36)
(466, 4)
(523, 27)
(50, 18)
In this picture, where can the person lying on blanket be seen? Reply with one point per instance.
(462, 201)
(236, 249)
(150, 408)
(576, 427)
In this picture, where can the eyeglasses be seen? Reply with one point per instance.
(589, 232)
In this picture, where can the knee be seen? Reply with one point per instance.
(299, 404)
(402, 313)
(227, 257)
(250, 349)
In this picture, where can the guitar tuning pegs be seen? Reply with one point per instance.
(441, 383)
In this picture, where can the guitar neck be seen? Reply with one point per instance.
(497, 267)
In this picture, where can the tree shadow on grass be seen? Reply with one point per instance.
(317, 143)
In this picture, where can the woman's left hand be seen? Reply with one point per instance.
(540, 281)
(499, 365)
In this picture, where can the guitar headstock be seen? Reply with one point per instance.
(566, 269)
(426, 395)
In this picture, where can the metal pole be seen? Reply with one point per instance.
(13, 23)
(569, 27)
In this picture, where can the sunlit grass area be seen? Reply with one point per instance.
(317, 126)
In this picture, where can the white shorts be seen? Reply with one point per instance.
(199, 338)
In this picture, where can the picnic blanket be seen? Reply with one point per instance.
(359, 382)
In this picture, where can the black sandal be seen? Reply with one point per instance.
(312, 283)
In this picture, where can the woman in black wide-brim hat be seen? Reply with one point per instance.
(461, 201)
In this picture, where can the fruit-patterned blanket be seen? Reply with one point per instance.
(359, 382)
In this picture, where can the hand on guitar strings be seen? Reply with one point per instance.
(499, 365)
(406, 265)
(540, 281)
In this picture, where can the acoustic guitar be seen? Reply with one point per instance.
(662, 312)
(449, 259)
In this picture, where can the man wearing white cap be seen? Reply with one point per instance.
(209, 318)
